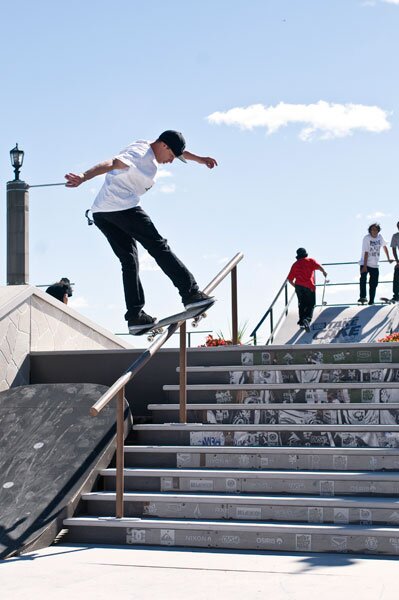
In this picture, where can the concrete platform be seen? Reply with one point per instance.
(130, 573)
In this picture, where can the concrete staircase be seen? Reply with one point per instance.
(286, 449)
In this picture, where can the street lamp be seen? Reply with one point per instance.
(17, 224)
(17, 159)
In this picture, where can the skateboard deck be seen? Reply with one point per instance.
(196, 313)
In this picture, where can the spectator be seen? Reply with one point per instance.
(394, 246)
(61, 290)
(372, 244)
(301, 276)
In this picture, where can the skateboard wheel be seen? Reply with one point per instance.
(194, 323)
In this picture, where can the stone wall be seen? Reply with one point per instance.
(31, 320)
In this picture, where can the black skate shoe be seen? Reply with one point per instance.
(142, 321)
(197, 299)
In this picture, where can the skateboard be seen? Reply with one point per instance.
(362, 302)
(387, 301)
(196, 313)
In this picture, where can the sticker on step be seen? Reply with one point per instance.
(371, 543)
(208, 438)
(202, 485)
(248, 512)
(365, 516)
(341, 515)
(315, 514)
(303, 542)
(339, 543)
(135, 536)
(167, 537)
(394, 541)
(340, 462)
(169, 483)
(385, 355)
(326, 488)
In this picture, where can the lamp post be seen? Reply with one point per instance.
(17, 224)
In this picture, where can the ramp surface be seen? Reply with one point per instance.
(49, 446)
(341, 325)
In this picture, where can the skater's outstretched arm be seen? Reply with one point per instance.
(74, 179)
(202, 160)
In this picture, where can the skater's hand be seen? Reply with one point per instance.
(74, 180)
(208, 161)
(364, 269)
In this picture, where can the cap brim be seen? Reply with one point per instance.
(181, 157)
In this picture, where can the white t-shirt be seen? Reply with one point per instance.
(395, 240)
(122, 188)
(373, 246)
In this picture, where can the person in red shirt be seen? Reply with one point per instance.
(301, 276)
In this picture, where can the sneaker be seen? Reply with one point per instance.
(306, 324)
(197, 299)
(362, 300)
(141, 321)
(371, 303)
(394, 299)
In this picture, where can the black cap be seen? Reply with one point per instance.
(67, 284)
(175, 141)
(301, 253)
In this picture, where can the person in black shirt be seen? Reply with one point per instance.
(61, 290)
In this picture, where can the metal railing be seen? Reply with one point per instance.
(118, 388)
(287, 301)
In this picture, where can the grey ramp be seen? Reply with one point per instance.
(340, 325)
(50, 445)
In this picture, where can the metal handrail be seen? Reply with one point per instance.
(118, 387)
(284, 287)
(269, 312)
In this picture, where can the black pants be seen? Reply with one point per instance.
(396, 282)
(306, 302)
(122, 229)
(373, 282)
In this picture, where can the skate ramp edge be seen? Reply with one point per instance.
(341, 325)
(51, 451)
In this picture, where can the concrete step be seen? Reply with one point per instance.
(324, 372)
(338, 354)
(321, 483)
(286, 392)
(305, 509)
(288, 434)
(305, 412)
(286, 537)
(244, 457)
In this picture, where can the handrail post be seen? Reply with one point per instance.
(183, 375)
(286, 298)
(120, 439)
(234, 306)
(271, 325)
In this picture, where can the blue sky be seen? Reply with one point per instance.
(307, 158)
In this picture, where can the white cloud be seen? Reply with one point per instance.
(322, 119)
(377, 215)
(78, 302)
(391, 1)
(167, 189)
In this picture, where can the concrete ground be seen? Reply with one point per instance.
(132, 572)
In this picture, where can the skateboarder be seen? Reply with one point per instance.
(61, 290)
(301, 276)
(371, 248)
(118, 214)
(395, 246)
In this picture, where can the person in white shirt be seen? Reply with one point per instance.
(118, 214)
(372, 244)
(395, 246)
